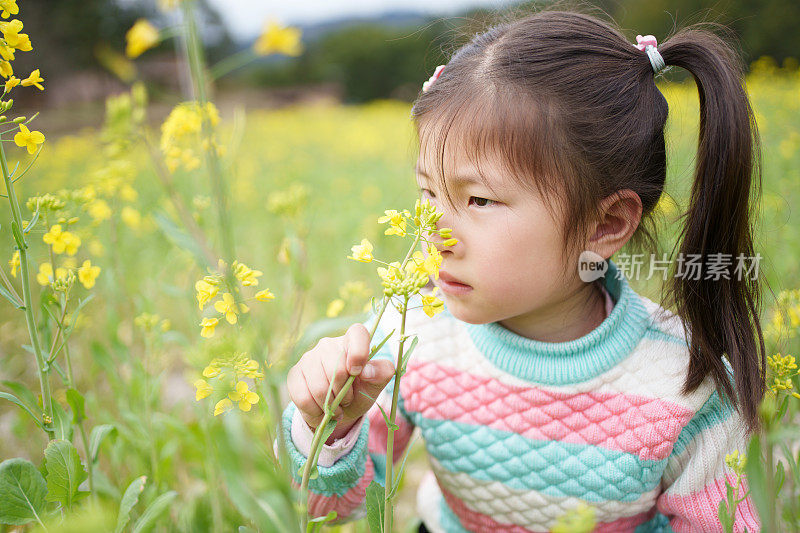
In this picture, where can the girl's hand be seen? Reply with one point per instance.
(308, 380)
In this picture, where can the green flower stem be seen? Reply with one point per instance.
(71, 384)
(388, 486)
(771, 489)
(213, 480)
(30, 318)
(148, 418)
(232, 62)
(317, 442)
(177, 201)
(196, 61)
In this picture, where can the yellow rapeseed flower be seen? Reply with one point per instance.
(62, 241)
(227, 307)
(87, 274)
(213, 369)
(432, 304)
(12, 36)
(99, 210)
(244, 396)
(7, 70)
(396, 220)
(334, 308)
(8, 8)
(277, 39)
(34, 79)
(12, 82)
(205, 291)
(203, 389)
(264, 296)
(28, 139)
(131, 217)
(362, 252)
(223, 406)
(141, 37)
(428, 265)
(245, 275)
(14, 263)
(45, 275)
(208, 325)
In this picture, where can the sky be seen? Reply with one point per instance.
(245, 18)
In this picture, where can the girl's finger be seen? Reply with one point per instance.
(356, 345)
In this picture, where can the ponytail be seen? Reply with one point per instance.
(723, 315)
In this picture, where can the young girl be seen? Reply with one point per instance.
(540, 388)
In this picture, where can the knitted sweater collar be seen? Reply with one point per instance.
(559, 363)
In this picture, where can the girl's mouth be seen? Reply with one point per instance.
(452, 285)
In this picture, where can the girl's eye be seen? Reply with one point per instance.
(481, 202)
(425, 191)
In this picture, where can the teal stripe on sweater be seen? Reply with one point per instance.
(658, 335)
(658, 524)
(712, 413)
(553, 468)
(449, 521)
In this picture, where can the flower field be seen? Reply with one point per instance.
(173, 271)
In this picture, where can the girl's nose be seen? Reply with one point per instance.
(445, 222)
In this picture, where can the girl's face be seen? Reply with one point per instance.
(509, 250)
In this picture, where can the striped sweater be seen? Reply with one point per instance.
(518, 432)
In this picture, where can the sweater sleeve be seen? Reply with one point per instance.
(349, 464)
(693, 483)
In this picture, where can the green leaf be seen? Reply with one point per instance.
(23, 393)
(782, 409)
(399, 474)
(780, 476)
(378, 346)
(76, 403)
(178, 237)
(34, 220)
(74, 314)
(407, 355)
(61, 422)
(722, 513)
(13, 399)
(389, 424)
(129, 500)
(10, 297)
(153, 512)
(22, 492)
(315, 524)
(17, 235)
(375, 506)
(756, 476)
(65, 472)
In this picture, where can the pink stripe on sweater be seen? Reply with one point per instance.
(345, 505)
(702, 507)
(474, 521)
(379, 434)
(630, 423)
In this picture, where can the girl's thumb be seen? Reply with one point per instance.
(378, 371)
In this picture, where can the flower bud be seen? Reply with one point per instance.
(19, 120)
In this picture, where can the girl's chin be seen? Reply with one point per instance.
(465, 313)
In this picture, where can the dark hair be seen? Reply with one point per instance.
(569, 106)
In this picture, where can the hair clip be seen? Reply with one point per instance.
(436, 74)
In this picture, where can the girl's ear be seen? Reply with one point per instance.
(620, 214)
